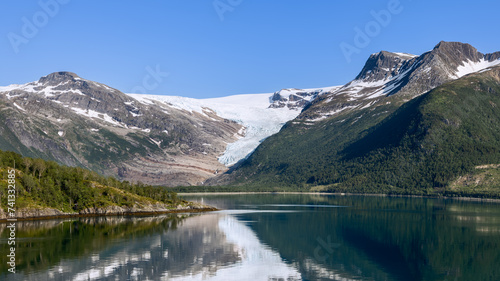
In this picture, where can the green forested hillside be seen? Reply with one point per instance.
(420, 148)
(41, 183)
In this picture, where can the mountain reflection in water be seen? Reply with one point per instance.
(270, 237)
(212, 246)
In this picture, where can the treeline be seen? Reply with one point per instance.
(49, 184)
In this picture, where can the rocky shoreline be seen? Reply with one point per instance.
(153, 209)
(472, 199)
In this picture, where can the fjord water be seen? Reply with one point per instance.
(270, 237)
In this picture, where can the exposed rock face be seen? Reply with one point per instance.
(383, 65)
(78, 122)
(33, 213)
(157, 140)
(153, 208)
(294, 98)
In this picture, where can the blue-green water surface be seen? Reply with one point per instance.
(269, 237)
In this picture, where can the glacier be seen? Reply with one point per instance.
(252, 111)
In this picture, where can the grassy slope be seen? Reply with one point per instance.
(484, 179)
(418, 149)
(45, 184)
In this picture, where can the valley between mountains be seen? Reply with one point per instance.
(407, 124)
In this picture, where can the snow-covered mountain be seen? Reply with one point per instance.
(385, 74)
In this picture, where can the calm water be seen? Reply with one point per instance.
(270, 237)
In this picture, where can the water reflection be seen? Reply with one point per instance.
(213, 246)
(379, 238)
(80, 249)
(225, 235)
(271, 237)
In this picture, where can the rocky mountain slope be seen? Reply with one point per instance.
(78, 122)
(326, 144)
(386, 74)
(161, 140)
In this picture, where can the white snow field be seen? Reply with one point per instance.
(469, 67)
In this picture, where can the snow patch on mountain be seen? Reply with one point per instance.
(46, 91)
(405, 55)
(20, 108)
(361, 89)
(301, 92)
(94, 114)
(469, 67)
(325, 115)
(10, 87)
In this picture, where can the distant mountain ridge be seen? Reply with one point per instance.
(385, 74)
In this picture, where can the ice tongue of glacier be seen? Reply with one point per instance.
(253, 111)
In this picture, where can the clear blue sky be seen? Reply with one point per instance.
(255, 46)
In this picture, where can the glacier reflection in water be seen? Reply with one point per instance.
(255, 260)
(212, 246)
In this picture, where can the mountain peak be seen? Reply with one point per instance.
(382, 65)
(448, 45)
(457, 51)
(391, 54)
(58, 77)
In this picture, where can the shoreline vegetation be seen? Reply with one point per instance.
(467, 191)
(38, 189)
(471, 199)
